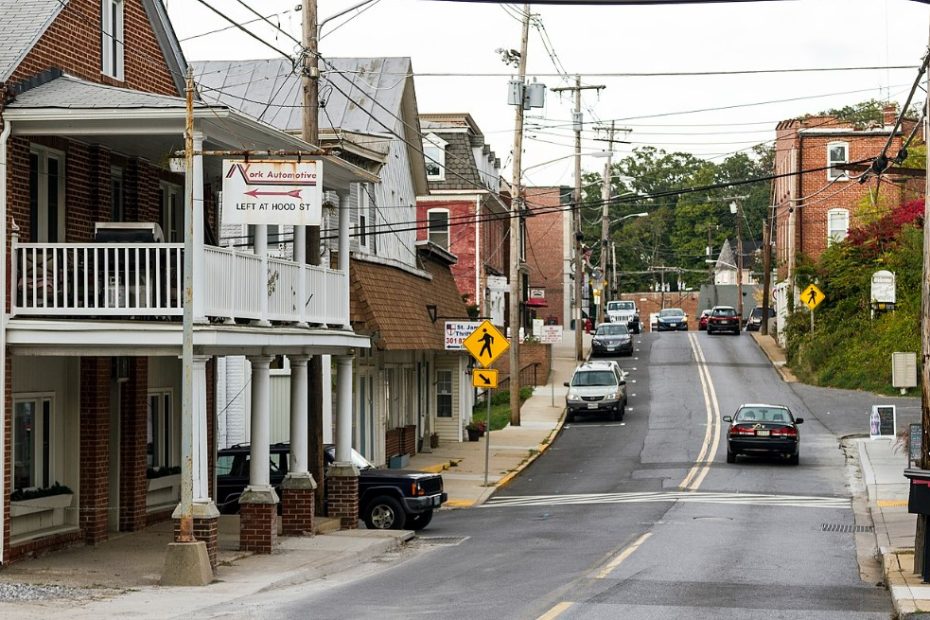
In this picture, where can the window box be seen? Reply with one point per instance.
(30, 516)
(163, 491)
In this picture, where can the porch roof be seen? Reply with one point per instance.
(151, 126)
(392, 304)
(32, 337)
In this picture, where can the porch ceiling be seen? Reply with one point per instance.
(28, 337)
(152, 126)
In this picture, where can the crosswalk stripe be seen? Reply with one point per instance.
(747, 499)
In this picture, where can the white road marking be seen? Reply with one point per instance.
(711, 441)
(614, 563)
(687, 497)
(556, 611)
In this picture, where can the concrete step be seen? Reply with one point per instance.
(325, 525)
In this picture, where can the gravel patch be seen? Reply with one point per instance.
(29, 592)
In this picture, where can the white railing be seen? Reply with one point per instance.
(145, 280)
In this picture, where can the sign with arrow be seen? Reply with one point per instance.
(484, 378)
(486, 343)
(272, 192)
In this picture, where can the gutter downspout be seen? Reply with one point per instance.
(4, 176)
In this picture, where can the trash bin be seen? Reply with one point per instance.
(918, 502)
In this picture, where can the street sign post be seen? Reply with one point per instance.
(812, 296)
(484, 378)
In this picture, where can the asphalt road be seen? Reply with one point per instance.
(599, 526)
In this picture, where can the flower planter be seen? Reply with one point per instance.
(472, 434)
(40, 513)
(163, 491)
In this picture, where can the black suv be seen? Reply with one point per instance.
(388, 498)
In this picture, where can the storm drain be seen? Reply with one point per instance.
(846, 528)
(446, 541)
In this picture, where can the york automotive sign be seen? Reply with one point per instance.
(272, 192)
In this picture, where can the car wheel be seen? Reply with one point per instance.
(384, 513)
(419, 521)
(794, 459)
(731, 456)
(569, 417)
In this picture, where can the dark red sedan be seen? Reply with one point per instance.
(702, 319)
(763, 430)
(723, 319)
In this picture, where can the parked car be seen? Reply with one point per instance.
(596, 388)
(723, 319)
(763, 430)
(702, 319)
(624, 311)
(388, 498)
(754, 322)
(672, 319)
(612, 339)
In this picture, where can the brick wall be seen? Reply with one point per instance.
(461, 239)
(342, 500)
(650, 302)
(204, 530)
(545, 249)
(95, 428)
(409, 439)
(133, 438)
(258, 527)
(530, 353)
(297, 510)
(393, 441)
(72, 43)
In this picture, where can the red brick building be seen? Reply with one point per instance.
(548, 253)
(464, 212)
(818, 201)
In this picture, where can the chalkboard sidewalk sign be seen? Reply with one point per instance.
(883, 422)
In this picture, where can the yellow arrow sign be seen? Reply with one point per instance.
(484, 378)
(486, 343)
(812, 296)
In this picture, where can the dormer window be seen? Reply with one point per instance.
(837, 154)
(434, 152)
(111, 38)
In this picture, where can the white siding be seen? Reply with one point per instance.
(395, 199)
(449, 429)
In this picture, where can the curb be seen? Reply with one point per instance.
(780, 367)
(540, 449)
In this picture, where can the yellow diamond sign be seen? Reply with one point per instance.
(812, 296)
(484, 378)
(486, 343)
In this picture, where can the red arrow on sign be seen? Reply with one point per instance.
(294, 193)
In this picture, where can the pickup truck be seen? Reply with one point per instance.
(388, 498)
(622, 311)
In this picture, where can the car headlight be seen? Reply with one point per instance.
(573, 395)
(611, 396)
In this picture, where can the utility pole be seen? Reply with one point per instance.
(766, 270)
(605, 223)
(310, 239)
(736, 208)
(578, 123)
(516, 223)
(921, 533)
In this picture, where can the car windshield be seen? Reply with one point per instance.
(620, 305)
(763, 414)
(724, 312)
(705, 312)
(360, 461)
(671, 312)
(614, 329)
(594, 377)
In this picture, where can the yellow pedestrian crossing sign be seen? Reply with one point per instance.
(484, 378)
(486, 343)
(812, 296)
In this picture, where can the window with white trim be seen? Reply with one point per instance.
(46, 195)
(160, 432)
(33, 460)
(837, 153)
(438, 221)
(444, 393)
(111, 38)
(434, 152)
(172, 213)
(837, 225)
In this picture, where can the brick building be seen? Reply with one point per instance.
(91, 284)
(819, 201)
(464, 212)
(548, 244)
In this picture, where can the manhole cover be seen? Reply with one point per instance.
(448, 541)
(846, 528)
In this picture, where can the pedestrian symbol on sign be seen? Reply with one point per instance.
(487, 340)
(486, 343)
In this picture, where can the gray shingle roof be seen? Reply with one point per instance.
(69, 92)
(271, 91)
(21, 25)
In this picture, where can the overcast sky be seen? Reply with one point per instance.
(461, 39)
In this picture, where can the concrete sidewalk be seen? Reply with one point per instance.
(512, 448)
(882, 463)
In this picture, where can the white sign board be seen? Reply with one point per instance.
(883, 422)
(498, 283)
(551, 334)
(537, 328)
(883, 288)
(904, 370)
(456, 332)
(272, 192)
(537, 293)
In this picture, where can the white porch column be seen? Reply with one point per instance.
(201, 449)
(344, 411)
(260, 248)
(299, 408)
(344, 256)
(300, 257)
(199, 256)
(326, 363)
(260, 452)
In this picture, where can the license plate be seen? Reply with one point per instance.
(592, 405)
(437, 500)
(725, 322)
(763, 433)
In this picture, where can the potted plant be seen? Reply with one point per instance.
(475, 430)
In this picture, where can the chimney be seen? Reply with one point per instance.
(889, 114)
